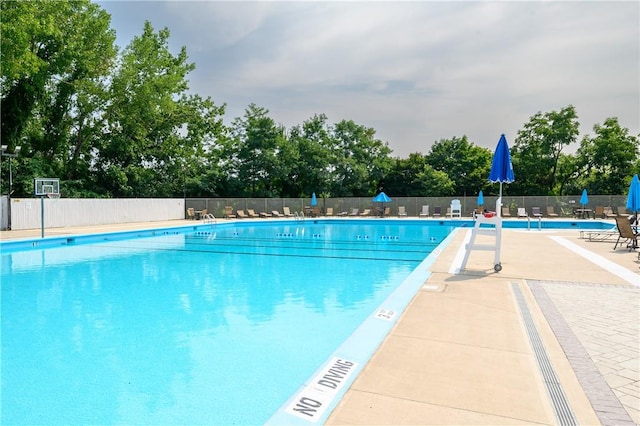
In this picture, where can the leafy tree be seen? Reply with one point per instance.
(537, 150)
(155, 131)
(53, 53)
(256, 140)
(466, 164)
(361, 161)
(607, 159)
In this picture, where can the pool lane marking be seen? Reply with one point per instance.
(627, 275)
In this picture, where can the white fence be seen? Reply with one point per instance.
(26, 213)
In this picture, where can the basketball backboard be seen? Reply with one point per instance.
(46, 186)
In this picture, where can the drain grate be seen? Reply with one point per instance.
(554, 388)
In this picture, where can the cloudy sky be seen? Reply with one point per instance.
(415, 71)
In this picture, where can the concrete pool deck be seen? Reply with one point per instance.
(554, 338)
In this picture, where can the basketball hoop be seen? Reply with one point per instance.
(53, 195)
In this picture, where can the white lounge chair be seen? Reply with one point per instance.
(424, 212)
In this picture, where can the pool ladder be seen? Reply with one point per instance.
(209, 218)
(298, 216)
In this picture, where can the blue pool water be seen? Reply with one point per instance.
(219, 325)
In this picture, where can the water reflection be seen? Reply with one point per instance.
(180, 328)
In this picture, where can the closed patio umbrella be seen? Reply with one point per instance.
(501, 169)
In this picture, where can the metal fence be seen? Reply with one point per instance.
(564, 206)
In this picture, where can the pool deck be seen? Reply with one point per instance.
(554, 338)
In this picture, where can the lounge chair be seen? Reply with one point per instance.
(343, 213)
(437, 211)
(329, 211)
(276, 213)
(287, 211)
(626, 233)
(522, 212)
(599, 213)
(424, 212)
(608, 213)
(252, 213)
(551, 212)
(265, 214)
(535, 212)
(506, 212)
(448, 213)
(241, 214)
(402, 211)
(456, 208)
(622, 211)
(365, 212)
(354, 212)
(386, 212)
(228, 212)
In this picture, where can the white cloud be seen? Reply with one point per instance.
(416, 72)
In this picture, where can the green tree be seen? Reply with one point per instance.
(361, 161)
(537, 151)
(53, 54)
(256, 139)
(607, 159)
(466, 164)
(155, 131)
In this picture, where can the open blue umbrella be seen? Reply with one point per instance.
(480, 198)
(501, 168)
(314, 201)
(633, 199)
(381, 198)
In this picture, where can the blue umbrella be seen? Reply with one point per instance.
(633, 199)
(584, 200)
(381, 198)
(314, 201)
(480, 198)
(501, 168)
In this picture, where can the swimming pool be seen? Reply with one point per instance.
(208, 325)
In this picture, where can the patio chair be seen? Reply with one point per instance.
(329, 211)
(424, 212)
(241, 214)
(402, 211)
(551, 212)
(506, 212)
(276, 213)
(354, 212)
(265, 214)
(365, 212)
(622, 211)
(627, 234)
(456, 208)
(535, 212)
(252, 213)
(599, 213)
(608, 213)
(437, 211)
(191, 213)
(522, 212)
(228, 212)
(287, 211)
